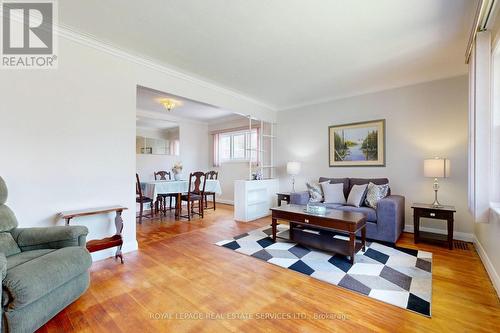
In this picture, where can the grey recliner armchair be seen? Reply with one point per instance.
(43, 270)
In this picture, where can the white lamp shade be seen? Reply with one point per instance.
(437, 167)
(293, 168)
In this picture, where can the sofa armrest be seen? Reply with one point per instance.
(391, 216)
(299, 198)
(50, 237)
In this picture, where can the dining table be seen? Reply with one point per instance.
(153, 188)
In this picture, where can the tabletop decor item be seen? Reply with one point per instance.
(357, 144)
(293, 169)
(436, 167)
(314, 208)
(177, 170)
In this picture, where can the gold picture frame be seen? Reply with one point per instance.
(357, 144)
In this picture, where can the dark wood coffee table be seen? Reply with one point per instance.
(333, 220)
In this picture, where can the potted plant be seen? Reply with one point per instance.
(177, 170)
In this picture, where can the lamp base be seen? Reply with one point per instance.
(436, 203)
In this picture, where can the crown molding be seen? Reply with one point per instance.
(93, 42)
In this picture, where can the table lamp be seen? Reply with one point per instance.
(293, 169)
(437, 167)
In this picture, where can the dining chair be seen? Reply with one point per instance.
(211, 175)
(162, 197)
(142, 200)
(196, 193)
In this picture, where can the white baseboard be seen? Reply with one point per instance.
(493, 274)
(107, 253)
(463, 236)
(224, 201)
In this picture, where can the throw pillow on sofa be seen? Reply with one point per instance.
(315, 192)
(357, 195)
(375, 193)
(333, 193)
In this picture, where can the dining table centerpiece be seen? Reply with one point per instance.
(177, 170)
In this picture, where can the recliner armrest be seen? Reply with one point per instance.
(3, 271)
(299, 198)
(3, 267)
(50, 237)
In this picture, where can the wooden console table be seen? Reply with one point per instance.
(105, 243)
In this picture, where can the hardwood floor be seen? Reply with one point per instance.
(179, 272)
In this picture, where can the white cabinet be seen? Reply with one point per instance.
(254, 198)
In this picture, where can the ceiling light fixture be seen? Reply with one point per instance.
(168, 104)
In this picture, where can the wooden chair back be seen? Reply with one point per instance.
(138, 189)
(197, 182)
(212, 174)
(162, 175)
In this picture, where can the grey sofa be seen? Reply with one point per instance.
(383, 224)
(43, 270)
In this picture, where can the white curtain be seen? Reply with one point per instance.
(480, 114)
(216, 154)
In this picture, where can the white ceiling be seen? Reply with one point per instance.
(149, 100)
(288, 52)
(144, 122)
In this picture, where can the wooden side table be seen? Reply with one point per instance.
(100, 244)
(440, 213)
(283, 196)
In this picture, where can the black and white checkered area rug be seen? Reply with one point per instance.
(395, 275)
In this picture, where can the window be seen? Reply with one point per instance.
(236, 146)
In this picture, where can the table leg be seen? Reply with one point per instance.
(119, 229)
(450, 234)
(290, 230)
(352, 245)
(274, 225)
(363, 237)
(416, 228)
(178, 206)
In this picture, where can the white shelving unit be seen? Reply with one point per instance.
(266, 149)
(254, 198)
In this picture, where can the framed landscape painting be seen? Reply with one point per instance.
(357, 144)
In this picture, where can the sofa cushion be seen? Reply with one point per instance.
(371, 214)
(344, 181)
(375, 193)
(357, 195)
(332, 205)
(334, 193)
(8, 245)
(29, 281)
(362, 181)
(315, 192)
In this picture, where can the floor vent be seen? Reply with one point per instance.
(461, 245)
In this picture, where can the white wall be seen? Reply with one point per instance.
(67, 135)
(488, 234)
(422, 121)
